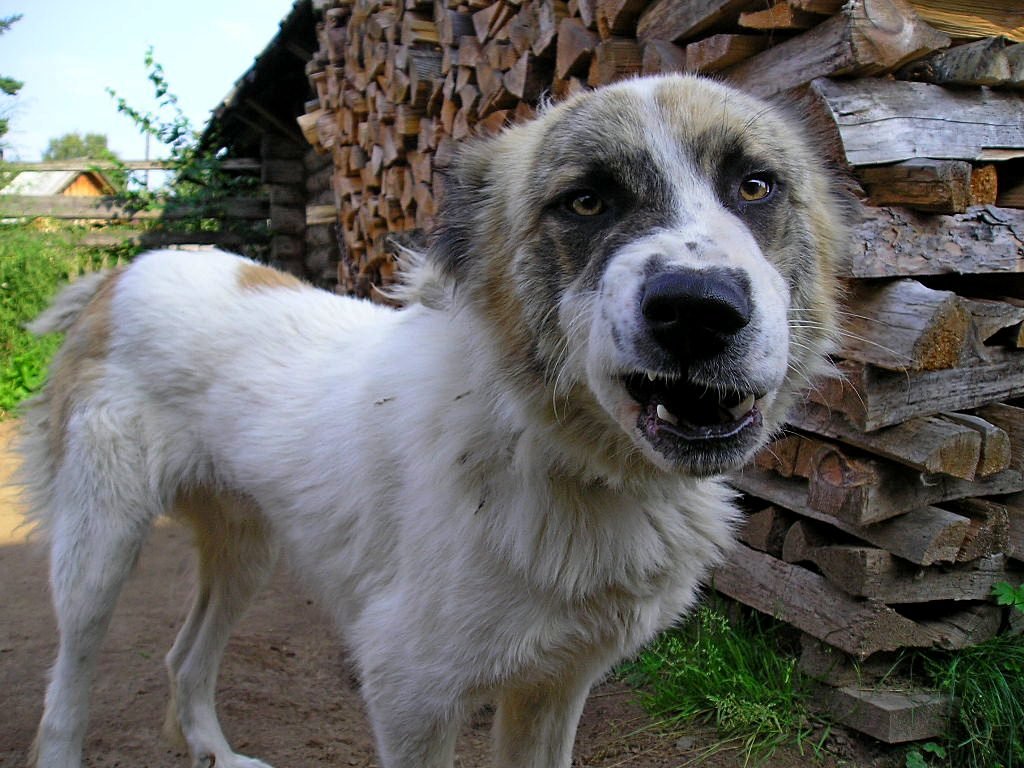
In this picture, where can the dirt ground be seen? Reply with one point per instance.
(286, 694)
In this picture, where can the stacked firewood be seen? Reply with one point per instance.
(883, 517)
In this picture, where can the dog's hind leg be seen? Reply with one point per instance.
(98, 511)
(236, 558)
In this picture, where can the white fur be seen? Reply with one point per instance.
(465, 556)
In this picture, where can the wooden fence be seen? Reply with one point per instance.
(154, 227)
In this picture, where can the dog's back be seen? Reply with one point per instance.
(126, 429)
(145, 345)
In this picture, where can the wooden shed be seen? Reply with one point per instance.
(88, 183)
(258, 120)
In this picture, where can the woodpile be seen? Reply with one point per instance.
(883, 517)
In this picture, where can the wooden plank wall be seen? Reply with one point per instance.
(882, 518)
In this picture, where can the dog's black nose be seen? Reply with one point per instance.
(694, 314)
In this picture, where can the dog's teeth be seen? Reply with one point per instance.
(665, 415)
(741, 410)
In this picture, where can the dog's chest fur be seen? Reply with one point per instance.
(414, 494)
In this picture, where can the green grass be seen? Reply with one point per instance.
(734, 673)
(34, 262)
(987, 682)
(740, 674)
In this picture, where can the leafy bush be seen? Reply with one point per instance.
(33, 263)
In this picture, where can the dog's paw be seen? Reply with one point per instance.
(229, 761)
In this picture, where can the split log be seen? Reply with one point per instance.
(862, 489)
(993, 18)
(867, 37)
(923, 536)
(889, 715)
(452, 25)
(615, 59)
(932, 444)
(885, 121)
(872, 397)
(995, 443)
(575, 48)
(676, 20)
(321, 214)
(1010, 419)
(765, 530)
(780, 16)
(933, 186)
(871, 572)
(903, 325)
(858, 627)
(989, 529)
(976, 64)
(618, 17)
(549, 15)
(990, 318)
(662, 57)
(528, 78)
(718, 52)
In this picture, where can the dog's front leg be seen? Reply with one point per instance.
(411, 736)
(535, 726)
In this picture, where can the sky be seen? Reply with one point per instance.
(68, 52)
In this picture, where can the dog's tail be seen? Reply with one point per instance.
(68, 305)
(34, 438)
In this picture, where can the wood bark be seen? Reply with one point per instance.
(867, 37)
(887, 121)
(898, 242)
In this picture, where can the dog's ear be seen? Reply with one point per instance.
(466, 182)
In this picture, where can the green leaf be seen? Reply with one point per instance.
(1007, 594)
(936, 749)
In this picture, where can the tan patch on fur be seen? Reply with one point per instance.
(255, 277)
(80, 362)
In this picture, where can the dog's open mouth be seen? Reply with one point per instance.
(686, 410)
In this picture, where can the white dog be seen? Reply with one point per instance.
(500, 490)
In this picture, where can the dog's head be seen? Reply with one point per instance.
(656, 259)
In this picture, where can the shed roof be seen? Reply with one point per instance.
(50, 182)
(271, 94)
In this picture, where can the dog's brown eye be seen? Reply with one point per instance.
(586, 204)
(754, 188)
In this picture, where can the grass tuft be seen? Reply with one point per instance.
(987, 682)
(733, 673)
